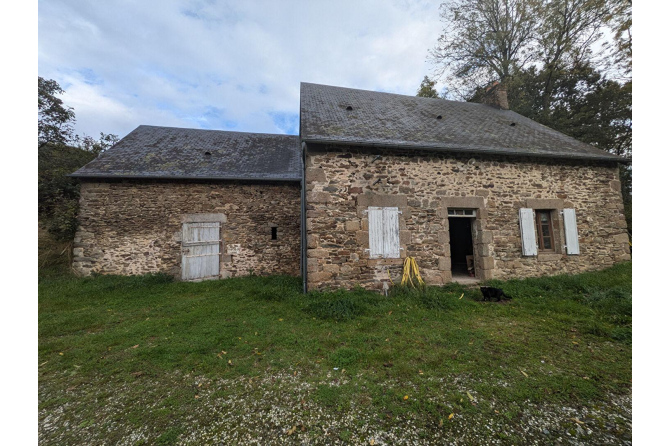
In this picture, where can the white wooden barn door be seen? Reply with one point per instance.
(200, 250)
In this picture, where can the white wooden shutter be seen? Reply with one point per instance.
(376, 231)
(527, 224)
(570, 225)
(383, 232)
(391, 233)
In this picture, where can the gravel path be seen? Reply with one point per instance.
(280, 409)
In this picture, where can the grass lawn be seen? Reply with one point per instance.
(145, 360)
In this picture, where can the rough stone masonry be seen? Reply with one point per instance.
(341, 182)
(135, 226)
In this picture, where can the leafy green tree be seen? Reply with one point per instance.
(61, 152)
(427, 89)
(55, 121)
(585, 105)
(98, 146)
(58, 194)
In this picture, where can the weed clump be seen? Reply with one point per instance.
(344, 357)
(341, 305)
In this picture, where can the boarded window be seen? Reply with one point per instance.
(384, 232)
(570, 225)
(200, 250)
(527, 225)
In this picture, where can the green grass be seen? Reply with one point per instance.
(564, 339)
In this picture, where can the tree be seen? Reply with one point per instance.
(105, 141)
(483, 41)
(566, 33)
(541, 50)
(491, 40)
(61, 152)
(55, 122)
(620, 21)
(427, 89)
(585, 105)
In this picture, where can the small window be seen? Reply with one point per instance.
(274, 233)
(545, 231)
(461, 213)
(384, 232)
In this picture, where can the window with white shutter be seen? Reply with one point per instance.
(570, 225)
(527, 225)
(384, 233)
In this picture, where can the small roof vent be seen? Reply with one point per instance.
(439, 116)
(349, 108)
(208, 153)
(513, 124)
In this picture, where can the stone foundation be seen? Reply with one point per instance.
(135, 227)
(341, 182)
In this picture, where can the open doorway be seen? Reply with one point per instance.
(460, 245)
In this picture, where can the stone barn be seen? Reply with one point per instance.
(471, 191)
(196, 204)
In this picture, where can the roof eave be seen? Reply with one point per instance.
(175, 177)
(584, 157)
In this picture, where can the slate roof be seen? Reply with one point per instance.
(392, 120)
(168, 152)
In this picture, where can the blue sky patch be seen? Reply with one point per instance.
(287, 123)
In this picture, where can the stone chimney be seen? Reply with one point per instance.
(496, 96)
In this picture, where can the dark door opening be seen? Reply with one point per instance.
(460, 242)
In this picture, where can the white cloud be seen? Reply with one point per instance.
(225, 65)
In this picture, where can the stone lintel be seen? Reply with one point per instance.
(366, 200)
(545, 203)
(204, 218)
(463, 202)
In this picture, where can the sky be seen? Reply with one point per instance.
(226, 65)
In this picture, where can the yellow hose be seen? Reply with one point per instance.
(410, 271)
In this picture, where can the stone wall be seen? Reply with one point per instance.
(342, 182)
(135, 227)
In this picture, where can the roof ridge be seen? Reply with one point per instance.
(419, 98)
(211, 130)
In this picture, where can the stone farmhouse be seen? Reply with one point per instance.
(467, 189)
